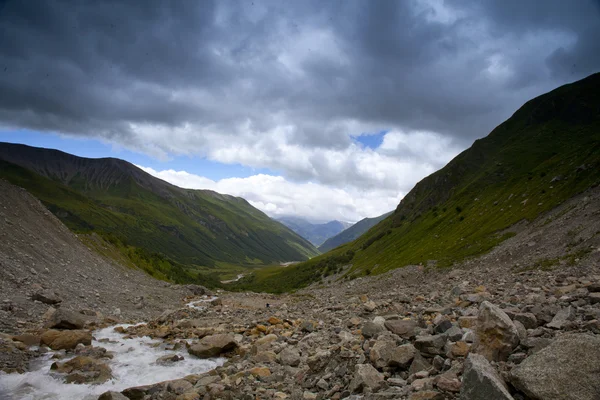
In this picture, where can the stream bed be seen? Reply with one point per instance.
(133, 364)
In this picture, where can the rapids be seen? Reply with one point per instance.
(133, 365)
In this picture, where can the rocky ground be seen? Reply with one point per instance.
(522, 322)
(43, 265)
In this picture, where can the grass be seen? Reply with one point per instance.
(195, 229)
(547, 152)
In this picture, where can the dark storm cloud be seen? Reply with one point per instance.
(127, 71)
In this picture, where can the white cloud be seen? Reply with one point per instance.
(355, 182)
(277, 196)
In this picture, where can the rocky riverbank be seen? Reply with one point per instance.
(429, 335)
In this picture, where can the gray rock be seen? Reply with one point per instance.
(112, 396)
(169, 359)
(403, 356)
(47, 296)
(565, 370)
(594, 298)
(198, 290)
(497, 335)
(371, 329)
(307, 326)
(443, 326)
(418, 364)
(289, 356)
(381, 353)
(528, 320)
(481, 381)
(454, 334)
(431, 344)
(65, 319)
(562, 318)
(214, 345)
(594, 287)
(402, 328)
(365, 376)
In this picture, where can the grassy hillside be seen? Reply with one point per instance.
(352, 233)
(109, 196)
(547, 152)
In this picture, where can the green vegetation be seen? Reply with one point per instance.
(547, 152)
(192, 230)
(154, 264)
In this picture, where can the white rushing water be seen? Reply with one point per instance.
(133, 364)
(201, 304)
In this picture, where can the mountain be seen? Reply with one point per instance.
(117, 199)
(544, 154)
(351, 233)
(314, 233)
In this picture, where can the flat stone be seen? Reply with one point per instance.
(431, 344)
(402, 328)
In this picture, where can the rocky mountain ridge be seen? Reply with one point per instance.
(352, 233)
(314, 233)
(199, 229)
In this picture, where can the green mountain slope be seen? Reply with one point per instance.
(547, 152)
(352, 233)
(111, 196)
(314, 233)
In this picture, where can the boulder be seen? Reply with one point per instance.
(427, 395)
(528, 320)
(594, 298)
(65, 340)
(381, 353)
(567, 369)
(168, 359)
(28, 339)
(213, 346)
(371, 329)
(402, 328)
(112, 396)
(418, 364)
(65, 319)
(197, 290)
(365, 376)
(46, 296)
(481, 381)
(562, 318)
(83, 370)
(403, 356)
(431, 344)
(289, 356)
(496, 334)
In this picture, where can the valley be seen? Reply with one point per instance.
(484, 283)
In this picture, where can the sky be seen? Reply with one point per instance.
(319, 109)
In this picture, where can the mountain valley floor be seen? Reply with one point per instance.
(520, 322)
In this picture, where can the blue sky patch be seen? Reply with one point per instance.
(370, 140)
(92, 148)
